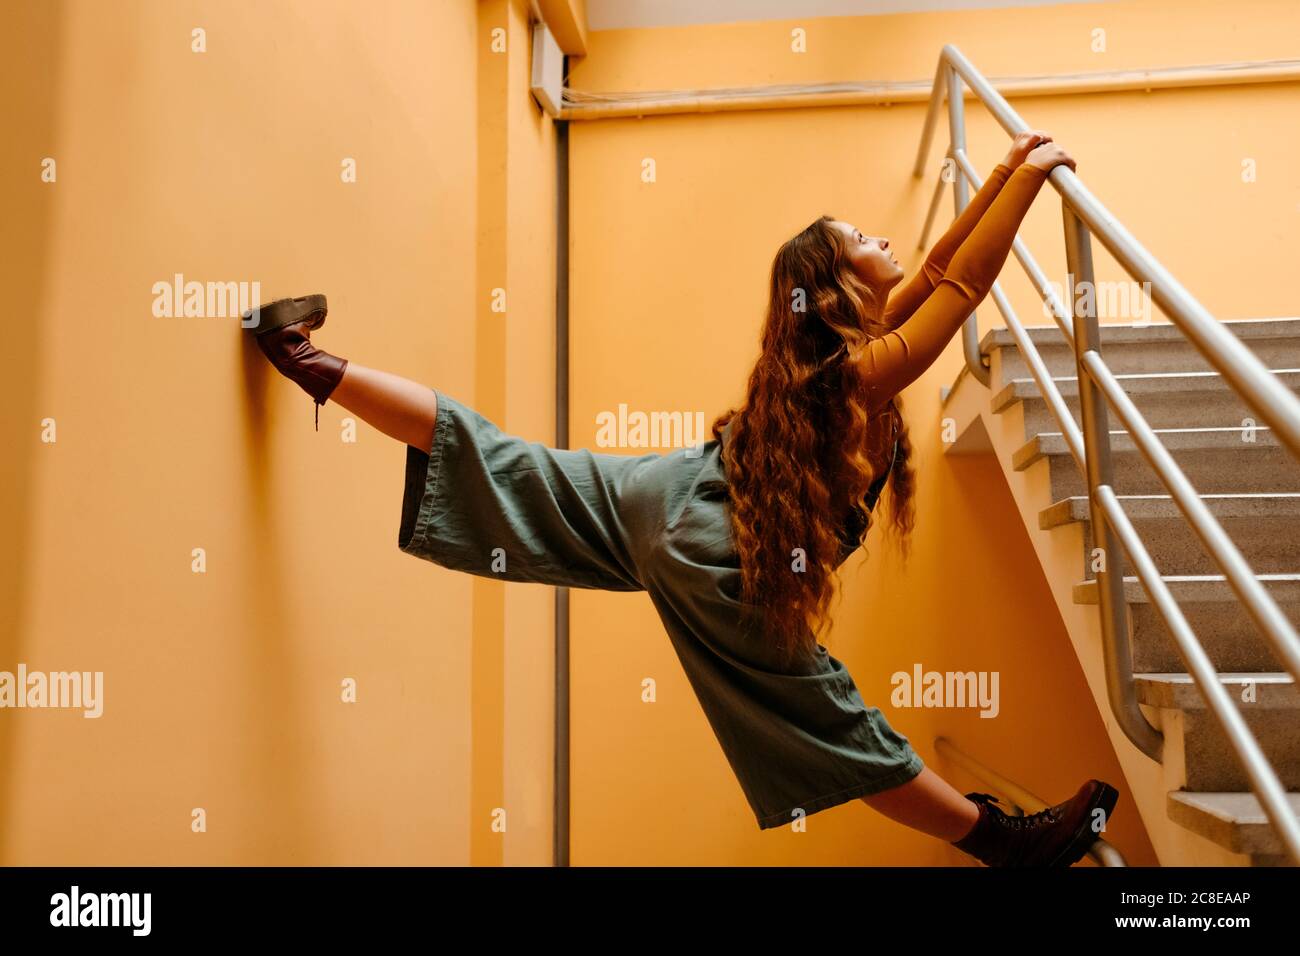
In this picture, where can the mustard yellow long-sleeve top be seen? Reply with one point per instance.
(954, 278)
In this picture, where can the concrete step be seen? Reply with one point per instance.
(1215, 615)
(1156, 347)
(1235, 821)
(1265, 527)
(1165, 399)
(1215, 461)
(1270, 704)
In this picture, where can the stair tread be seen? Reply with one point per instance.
(1173, 431)
(1263, 504)
(1240, 807)
(1283, 576)
(1235, 820)
(1135, 383)
(1275, 690)
(1053, 444)
(1140, 376)
(1273, 327)
(1205, 587)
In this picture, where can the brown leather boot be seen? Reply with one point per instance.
(1057, 836)
(283, 332)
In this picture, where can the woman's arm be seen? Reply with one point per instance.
(890, 363)
(908, 299)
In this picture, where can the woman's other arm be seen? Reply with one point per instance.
(908, 299)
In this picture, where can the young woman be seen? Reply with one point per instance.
(736, 541)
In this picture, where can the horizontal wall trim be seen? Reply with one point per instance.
(583, 105)
(641, 14)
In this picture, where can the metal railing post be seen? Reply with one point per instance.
(1116, 637)
(970, 332)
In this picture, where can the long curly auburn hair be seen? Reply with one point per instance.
(807, 444)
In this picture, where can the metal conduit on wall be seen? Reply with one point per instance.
(583, 105)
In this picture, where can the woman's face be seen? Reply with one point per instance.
(870, 256)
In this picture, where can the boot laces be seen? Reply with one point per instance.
(1032, 821)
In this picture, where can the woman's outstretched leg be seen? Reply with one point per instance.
(398, 407)
(1055, 836)
(928, 803)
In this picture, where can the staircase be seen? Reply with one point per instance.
(1197, 805)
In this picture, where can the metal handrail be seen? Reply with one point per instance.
(1014, 795)
(1090, 446)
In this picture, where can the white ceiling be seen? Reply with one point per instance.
(623, 14)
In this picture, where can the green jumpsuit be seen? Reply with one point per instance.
(799, 738)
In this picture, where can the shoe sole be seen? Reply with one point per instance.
(1104, 798)
(282, 312)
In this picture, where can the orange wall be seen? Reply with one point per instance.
(222, 689)
(669, 286)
